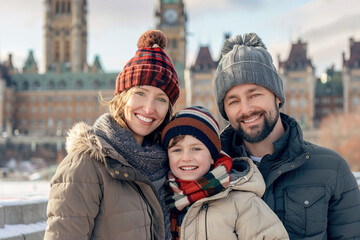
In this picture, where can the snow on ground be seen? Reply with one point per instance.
(23, 190)
(14, 230)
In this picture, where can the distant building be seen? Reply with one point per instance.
(65, 35)
(171, 19)
(351, 78)
(329, 96)
(298, 75)
(202, 81)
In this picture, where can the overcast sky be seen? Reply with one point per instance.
(115, 25)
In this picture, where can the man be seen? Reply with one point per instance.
(310, 188)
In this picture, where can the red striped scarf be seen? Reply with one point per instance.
(181, 194)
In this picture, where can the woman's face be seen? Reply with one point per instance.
(145, 110)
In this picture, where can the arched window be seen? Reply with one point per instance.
(62, 84)
(35, 85)
(51, 85)
(79, 84)
(25, 85)
(96, 84)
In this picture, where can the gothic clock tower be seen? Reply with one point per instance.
(65, 35)
(171, 19)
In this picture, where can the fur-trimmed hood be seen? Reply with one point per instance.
(82, 139)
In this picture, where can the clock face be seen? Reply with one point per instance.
(170, 15)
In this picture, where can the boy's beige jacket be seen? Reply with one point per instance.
(236, 213)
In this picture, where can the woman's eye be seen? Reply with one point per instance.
(161, 99)
(140, 93)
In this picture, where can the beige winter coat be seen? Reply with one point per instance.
(236, 213)
(92, 198)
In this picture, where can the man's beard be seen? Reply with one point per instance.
(258, 136)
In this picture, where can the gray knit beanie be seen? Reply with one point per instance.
(245, 60)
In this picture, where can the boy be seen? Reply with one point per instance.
(210, 195)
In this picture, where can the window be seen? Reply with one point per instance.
(174, 43)
(355, 101)
(325, 100)
(57, 51)
(25, 85)
(57, 7)
(51, 85)
(96, 84)
(50, 122)
(303, 102)
(35, 85)
(68, 122)
(59, 122)
(62, 84)
(79, 84)
(69, 7)
(63, 7)
(293, 102)
(298, 80)
(67, 48)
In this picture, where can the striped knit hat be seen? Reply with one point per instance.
(197, 122)
(150, 66)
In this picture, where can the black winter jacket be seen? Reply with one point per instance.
(310, 188)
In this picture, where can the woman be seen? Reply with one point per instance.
(110, 185)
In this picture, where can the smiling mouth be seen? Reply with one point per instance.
(252, 120)
(145, 119)
(188, 168)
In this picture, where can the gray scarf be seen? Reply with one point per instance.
(150, 160)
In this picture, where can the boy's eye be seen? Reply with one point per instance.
(175, 150)
(197, 149)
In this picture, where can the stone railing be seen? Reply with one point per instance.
(22, 218)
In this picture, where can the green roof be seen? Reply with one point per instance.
(64, 81)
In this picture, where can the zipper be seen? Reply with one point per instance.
(147, 208)
(205, 207)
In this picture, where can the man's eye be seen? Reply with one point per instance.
(233, 102)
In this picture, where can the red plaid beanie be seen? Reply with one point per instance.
(150, 66)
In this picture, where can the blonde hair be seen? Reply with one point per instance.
(116, 107)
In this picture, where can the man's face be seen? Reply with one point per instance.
(252, 110)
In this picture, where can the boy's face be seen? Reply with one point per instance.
(189, 159)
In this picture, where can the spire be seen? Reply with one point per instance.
(96, 67)
(30, 64)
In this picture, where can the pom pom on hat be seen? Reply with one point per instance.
(150, 66)
(198, 122)
(245, 60)
(150, 38)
